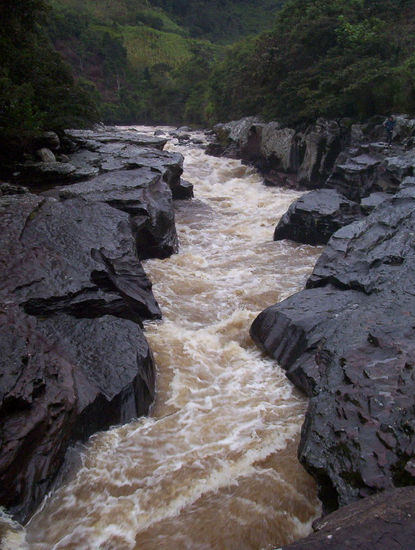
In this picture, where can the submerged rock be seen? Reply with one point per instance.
(348, 342)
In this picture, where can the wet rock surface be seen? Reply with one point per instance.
(381, 522)
(72, 360)
(314, 217)
(73, 295)
(91, 153)
(348, 342)
(144, 195)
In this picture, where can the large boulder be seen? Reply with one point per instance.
(142, 194)
(348, 342)
(313, 218)
(62, 380)
(74, 360)
(381, 522)
(277, 143)
(322, 143)
(50, 140)
(357, 175)
(236, 131)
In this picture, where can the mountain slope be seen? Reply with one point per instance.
(348, 58)
(146, 63)
(222, 21)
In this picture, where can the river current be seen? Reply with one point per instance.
(214, 467)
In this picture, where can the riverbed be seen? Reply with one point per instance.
(214, 467)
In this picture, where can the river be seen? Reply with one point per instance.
(214, 467)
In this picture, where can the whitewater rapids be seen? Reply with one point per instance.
(214, 467)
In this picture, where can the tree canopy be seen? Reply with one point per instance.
(334, 58)
(37, 90)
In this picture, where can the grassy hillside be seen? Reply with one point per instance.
(222, 21)
(141, 63)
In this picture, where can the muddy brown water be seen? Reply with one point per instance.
(214, 467)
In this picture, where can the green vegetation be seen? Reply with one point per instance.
(332, 58)
(166, 61)
(37, 90)
(222, 21)
(144, 66)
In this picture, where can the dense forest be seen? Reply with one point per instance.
(73, 62)
(150, 61)
(37, 89)
(332, 58)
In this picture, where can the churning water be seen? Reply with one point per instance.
(214, 467)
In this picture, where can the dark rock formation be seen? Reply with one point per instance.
(382, 522)
(357, 175)
(141, 193)
(334, 154)
(348, 342)
(284, 155)
(10, 189)
(372, 201)
(73, 295)
(88, 139)
(62, 379)
(322, 143)
(182, 190)
(314, 217)
(92, 153)
(49, 140)
(72, 361)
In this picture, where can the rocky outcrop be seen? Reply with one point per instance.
(314, 217)
(380, 522)
(92, 153)
(347, 341)
(365, 175)
(141, 193)
(295, 158)
(73, 295)
(358, 174)
(350, 158)
(72, 359)
(322, 144)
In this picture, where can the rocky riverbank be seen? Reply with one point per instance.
(73, 296)
(347, 340)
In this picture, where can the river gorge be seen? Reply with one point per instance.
(214, 466)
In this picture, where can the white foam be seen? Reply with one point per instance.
(223, 408)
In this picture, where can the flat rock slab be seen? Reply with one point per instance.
(382, 522)
(71, 257)
(348, 342)
(96, 152)
(114, 135)
(314, 217)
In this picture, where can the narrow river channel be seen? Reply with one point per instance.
(214, 467)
